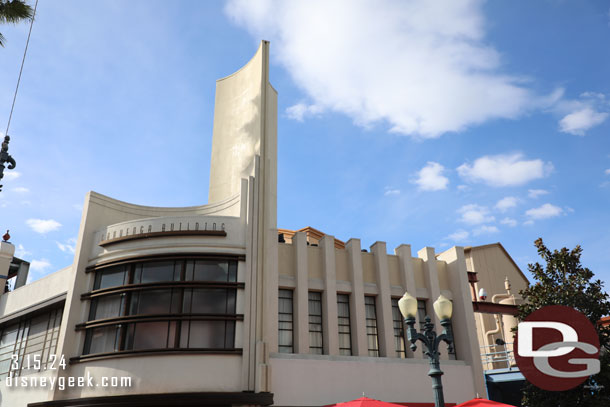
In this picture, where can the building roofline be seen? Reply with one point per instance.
(498, 244)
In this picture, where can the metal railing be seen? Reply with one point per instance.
(498, 356)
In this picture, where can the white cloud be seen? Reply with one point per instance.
(301, 110)
(391, 191)
(21, 190)
(505, 204)
(535, 193)
(68, 247)
(485, 230)
(509, 222)
(504, 170)
(43, 225)
(475, 214)
(39, 265)
(423, 67)
(543, 212)
(579, 121)
(431, 178)
(607, 172)
(21, 252)
(463, 188)
(459, 236)
(11, 175)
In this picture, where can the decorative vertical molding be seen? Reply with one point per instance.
(384, 303)
(431, 274)
(464, 326)
(356, 300)
(251, 314)
(6, 256)
(329, 297)
(301, 294)
(271, 286)
(407, 275)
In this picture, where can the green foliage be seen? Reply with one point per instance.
(13, 11)
(564, 281)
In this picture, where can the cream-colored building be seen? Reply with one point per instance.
(204, 306)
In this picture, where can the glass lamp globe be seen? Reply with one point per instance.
(408, 305)
(443, 307)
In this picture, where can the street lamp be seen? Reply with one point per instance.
(443, 309)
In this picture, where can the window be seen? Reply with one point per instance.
(285, 322)
(33, 336)
(421, 313)
(316, 344)
(452, 354)
(399, 331)
(156, 305)
(371, 326)
(345, 335)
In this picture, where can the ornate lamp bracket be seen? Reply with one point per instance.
(5, 157)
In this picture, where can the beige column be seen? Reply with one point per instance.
(301, 294)
(356, 299)
(384, 301)
(431, 274)
(407, 274)
(6, 256)
(464, 326)
(329, 297)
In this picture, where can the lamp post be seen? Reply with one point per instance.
(443, 309)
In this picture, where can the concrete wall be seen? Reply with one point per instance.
(309, 380)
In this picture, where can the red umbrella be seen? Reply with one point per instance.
(365, 402)
(483, 403)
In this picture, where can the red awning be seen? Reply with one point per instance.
(483, 403)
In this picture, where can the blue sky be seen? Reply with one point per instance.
(427, 123)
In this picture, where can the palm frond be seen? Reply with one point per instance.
(13, 11)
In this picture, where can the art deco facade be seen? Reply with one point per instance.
(205, 306)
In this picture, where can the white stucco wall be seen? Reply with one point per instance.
(309, 380)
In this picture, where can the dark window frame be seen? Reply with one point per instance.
(344, 325)
(316, 327)
(372, 329)
(400, 342)
(285, 320)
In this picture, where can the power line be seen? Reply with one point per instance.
(27, 43)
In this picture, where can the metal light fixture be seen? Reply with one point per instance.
(408, 305)
(443, 309)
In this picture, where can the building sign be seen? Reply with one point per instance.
(557, 348)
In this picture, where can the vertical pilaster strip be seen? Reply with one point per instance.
(301, 294)
(384, 301)
(407, 275)
(329, 297)
(464, 326)
(356, 299)
(431, 275)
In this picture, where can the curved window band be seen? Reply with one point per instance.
(162, 306)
